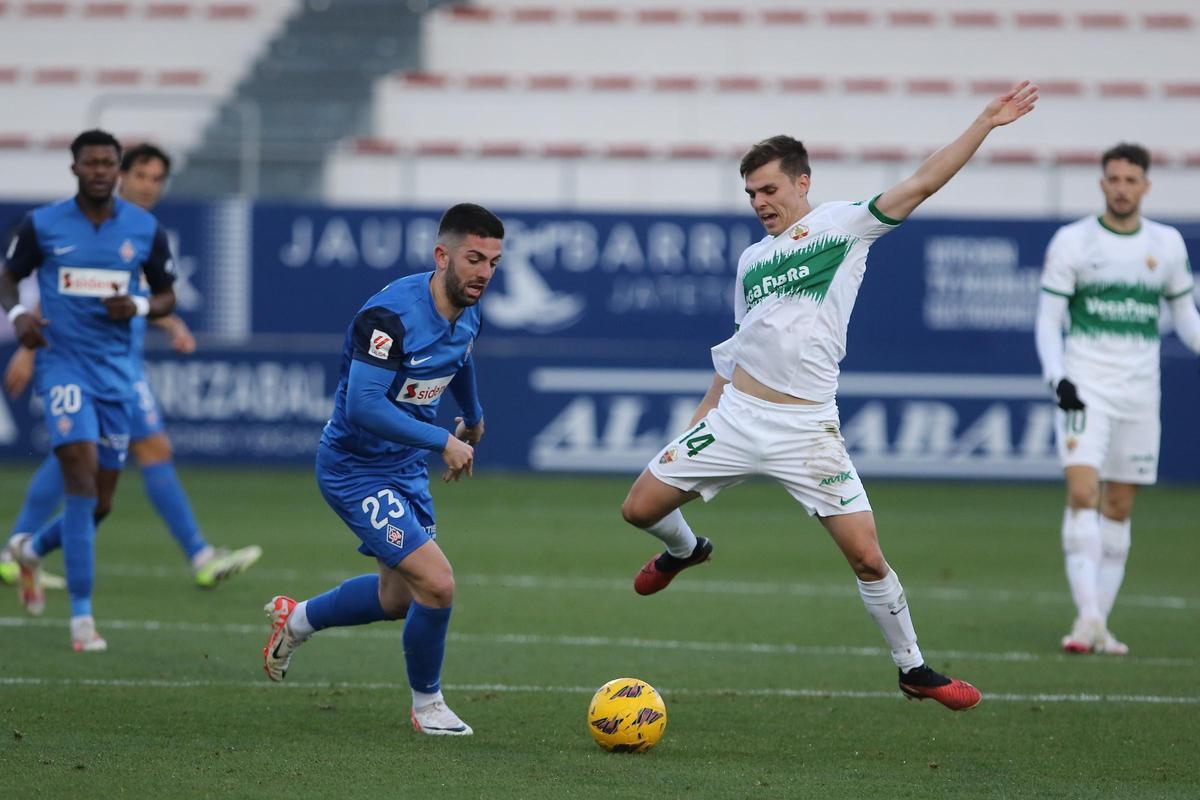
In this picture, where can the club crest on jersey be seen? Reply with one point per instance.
(64, 425)
(395, 536)
(668, 455)
(381, 344)
(798, 232)
(127, 251)
(1151, 263)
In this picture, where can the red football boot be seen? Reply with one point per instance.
(922, 682)
(662, 569)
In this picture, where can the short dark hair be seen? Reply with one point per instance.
(792, 157)
(143, 152)
(468, 219)
(1125, 151)
(94, 137)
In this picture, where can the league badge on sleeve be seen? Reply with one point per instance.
(381, 344)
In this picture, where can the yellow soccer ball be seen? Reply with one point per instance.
(627, 715)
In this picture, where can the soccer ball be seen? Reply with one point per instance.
(627, 715)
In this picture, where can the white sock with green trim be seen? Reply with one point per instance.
(887, 605)
(674, 532)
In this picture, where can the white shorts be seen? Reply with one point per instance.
(1122, 450)
(800, 446)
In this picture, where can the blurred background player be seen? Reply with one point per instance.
(406, 345)
(145, 170)
(1104, 280)
(90, 253)
(771, 408)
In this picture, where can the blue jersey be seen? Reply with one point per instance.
(399, 329)
(79, 263)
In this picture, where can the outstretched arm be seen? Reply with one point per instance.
(900, 201)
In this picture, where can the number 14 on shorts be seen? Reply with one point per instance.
(695, 441)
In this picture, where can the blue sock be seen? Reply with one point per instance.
(49, 538)
(169, 500)
(79, 554)
(425, 646)
(42, 497)
(355, 602)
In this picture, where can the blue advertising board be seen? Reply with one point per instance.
(596, 338)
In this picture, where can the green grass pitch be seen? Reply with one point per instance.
(776, 681)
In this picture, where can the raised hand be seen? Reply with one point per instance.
(1011, 105)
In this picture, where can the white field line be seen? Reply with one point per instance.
(156, 683)
(525, 640)
(541, 582)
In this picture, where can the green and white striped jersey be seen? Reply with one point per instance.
(793, 297)
(1114, 283)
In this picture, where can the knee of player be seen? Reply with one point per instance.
(869, 567)
(636, 513)
(439, 591)
(1085, 496)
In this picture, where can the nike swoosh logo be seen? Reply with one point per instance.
(414, 361)
(850, 500)
(62, 251)
(897, 611)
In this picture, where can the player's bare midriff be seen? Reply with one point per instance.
(744, 382)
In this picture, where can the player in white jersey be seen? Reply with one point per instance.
(770, 409)
(1104, 280)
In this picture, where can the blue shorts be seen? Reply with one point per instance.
(391, 514)
(74, 414)
(147, 421)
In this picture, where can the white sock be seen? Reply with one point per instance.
(1114, 552)
(298, 621)
(886, 604)
(203, 557)
(27, 555)
(1081, 546)
(423, 699)
(674, 532)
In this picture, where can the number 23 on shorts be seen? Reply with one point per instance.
(382, 506)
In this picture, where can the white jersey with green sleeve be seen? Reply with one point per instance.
(1114, 283)
(793, 296)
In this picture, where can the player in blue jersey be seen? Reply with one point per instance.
(90, 253)
(143, 179)
(405, 347)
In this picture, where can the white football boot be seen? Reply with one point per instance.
(1108, 645)
(277, 655)
(436, 719)
(84, 638)
(29, 578)
(1084, 636)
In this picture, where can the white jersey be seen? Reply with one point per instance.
(1114, 283)
(793, 296)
